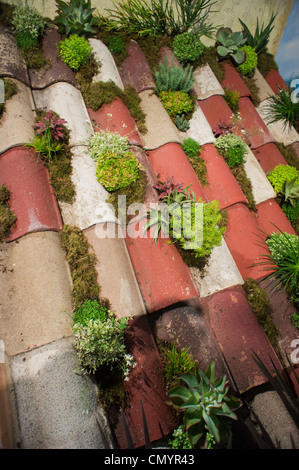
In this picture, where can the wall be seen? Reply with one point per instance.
(230, 11)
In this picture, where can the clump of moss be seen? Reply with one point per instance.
(289, 155)
(232, 99)
(259, 303)
(249, 80)
(266, 62)
(82, 264)
(135, 193)
(245, 184)
(7, 217)
(34, 58)
(99, 93)
(10, 89)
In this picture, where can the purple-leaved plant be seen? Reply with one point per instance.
(51, 126)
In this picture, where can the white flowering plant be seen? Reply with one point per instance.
(101, 345)
(103, 142)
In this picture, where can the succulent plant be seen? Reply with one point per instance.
(230, 44)
(291, 191)
(75, 17)
(204, 401)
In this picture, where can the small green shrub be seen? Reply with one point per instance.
(191, 147)
(115, 44)
(282, 173)
(291, 211)
(28, 21)
(102, 142)
(233, 148)
(173, 78)
(176, 102)
(116, 171)
(89, 310)
(101, 345)
(46, 148)
(180, 439)
(187, 47)
(182, 123)
(250, 62)
(26, 41)
(75, 51)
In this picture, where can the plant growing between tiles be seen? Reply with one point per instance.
(193, 151)
(76, 18)
(10, 89)
(75, 51)
(7, 217)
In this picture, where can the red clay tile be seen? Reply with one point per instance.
(233, 81)
(280, 311)
(146, 384)
(170, 160)
(257, 131)
(163, 277)
(275, 80)
(222, 184)
(215, 110)
(171, 326)
(243, 239)
(238, 334)
(135, 71)
(32, 198)
(167, 53)
(269, 157)
(269, 213)
(116, 117)
(58, 70)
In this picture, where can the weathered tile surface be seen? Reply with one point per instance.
(55, 70)
(206, 84)
(256, 129)
(275, 81)
(11, 62)
(16, 124)
(108, 70)
(32, 198)
(215, 110)
(261, 188)
(135, 71)
(269, 157)
(199, 129)
(233, 81)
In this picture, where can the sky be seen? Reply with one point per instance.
(287, 56)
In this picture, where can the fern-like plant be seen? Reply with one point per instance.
(173, 78)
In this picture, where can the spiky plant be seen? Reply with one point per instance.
(281, 107)
(173, 78)
(259, 40)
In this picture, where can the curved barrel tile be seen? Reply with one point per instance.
(199, 130)
(160, 128)
(244, 241)
(269, 157)
(220, 272)
(162, 275)
(295, 149)
(68, 103)
(32, 198)
(269, 215)
(146, 384)
(264, 90)
(171, 326)
(135, 71)
(279, 131)
(151, 195)
(215, 110)
(16, 124)
(275, 81)
(206, 84)
(108, 70)
(115, 273)
(36, 302)
(167, 53)
(56, 70)
(11, 62)
(90, 205)
(116, 117)
(257, 131)
(238, 333)
(261, 187)
(223, 186)
(233, 81)
(171, 161)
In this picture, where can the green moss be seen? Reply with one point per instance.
(251, 84)
(245, 184)
(289, 155)
(97, 94)
(82, 265)
(259, 303)
(7, 217)
(87, 72)
(105, 37)
(34, 58)
(10, 89)
(232, 99)
(151, 47)
(266, 62)
(199, 166)
(135, 193)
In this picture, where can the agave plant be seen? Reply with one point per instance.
(204, 401)
(260, 39)
(75, 17)
(230, 44)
